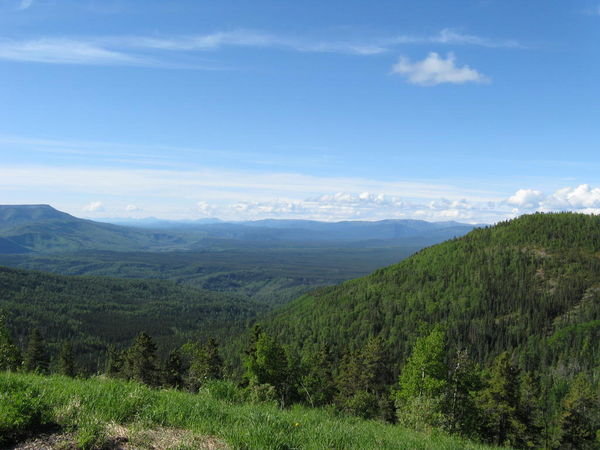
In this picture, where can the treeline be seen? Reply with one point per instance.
(502, 404)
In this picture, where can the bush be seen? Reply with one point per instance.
(23, 411)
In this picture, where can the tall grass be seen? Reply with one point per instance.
(219, 410)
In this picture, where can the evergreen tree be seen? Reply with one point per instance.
(362, 381)
(530, 411)
(66, 360)
(268, 364)
(172, 373)
(36, 357)
(464, 381)
(499, 403)
(423, 382)
(204, 363)
(115, 362)
(214, 362)
(580, 418)
(10, 356)
(140, 360)
(317, 385)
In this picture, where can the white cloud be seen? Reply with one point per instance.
(132, 208)
(94, 207)
(64, 51)
(526, 198)
(435, 70)
(580, 197)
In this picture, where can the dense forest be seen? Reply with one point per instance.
(93, 313)
(492, 336)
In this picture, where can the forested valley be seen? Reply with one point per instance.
(491, 337)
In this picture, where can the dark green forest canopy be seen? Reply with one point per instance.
(93, 312)
(529, 285)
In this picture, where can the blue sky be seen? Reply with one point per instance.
(466, 110)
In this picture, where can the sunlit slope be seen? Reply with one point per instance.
(531, 285)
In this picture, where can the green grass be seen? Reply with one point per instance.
(90, 406)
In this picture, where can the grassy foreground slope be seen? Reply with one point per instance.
(92, 409)
(530, 286)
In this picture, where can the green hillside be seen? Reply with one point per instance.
(93, 312)
(531, 285)
(100, 413)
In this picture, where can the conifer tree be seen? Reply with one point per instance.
(317, 385)
(499, 403)
(530, 411)
(268, 364)
(464, 381)
(66, 360)
(214, 362)
(114, 362)
(204, 363)
(36, 357)
(10, 356)
(140, 361)
(172, 373)
(580, 419)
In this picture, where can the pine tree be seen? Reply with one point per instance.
(172, 373)
(36, 357)
(140, 360)
(66, 360)
(464, 381)
(580, 419)
(317, 385)
(115, 362)
(530, 411)
(499, 403)
(362, 382)
(10, 356)
(214, 361)
(204, 363)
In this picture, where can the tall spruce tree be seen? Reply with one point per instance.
(66, 360)
(580, 419)
(10, 356)
(464, 381)
(140, 360)
(499, 404)
(204, 363)
(172, 372)
(316, 384)
(115, 361)
(36, 356)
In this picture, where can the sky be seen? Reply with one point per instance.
(475, 111)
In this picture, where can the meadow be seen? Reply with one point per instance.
(98, 412)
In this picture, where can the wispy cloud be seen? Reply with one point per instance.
(435, 70)
(154, 50)
(24, 4)
(64, 51)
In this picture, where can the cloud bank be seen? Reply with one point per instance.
(245, 195)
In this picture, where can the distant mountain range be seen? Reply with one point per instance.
(41, 228)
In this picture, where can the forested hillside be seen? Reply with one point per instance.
(531, 284)
(94, 312)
